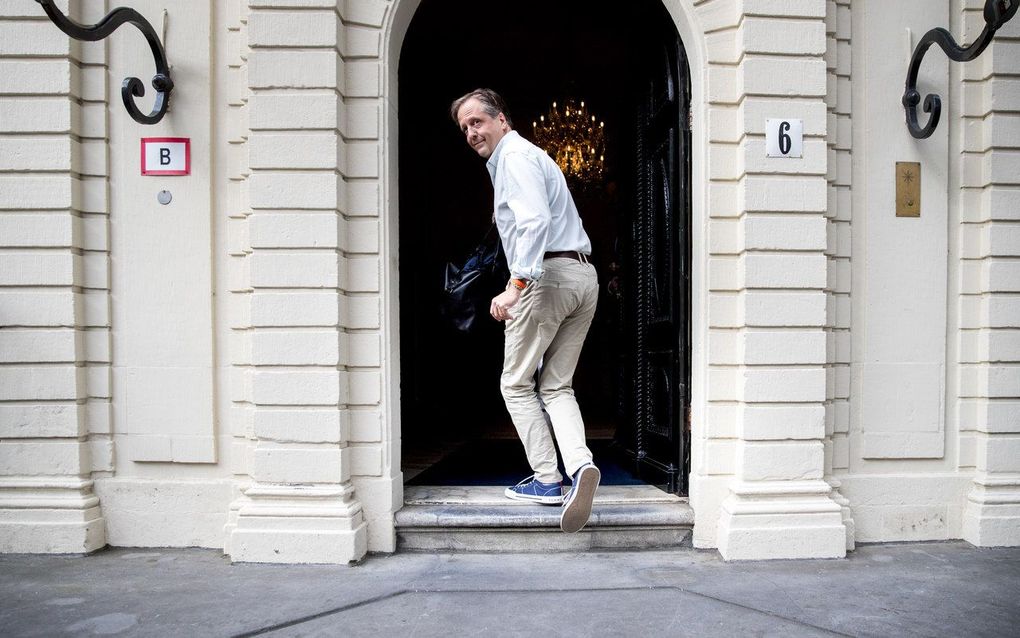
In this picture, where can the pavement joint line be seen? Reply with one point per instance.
(338, 610)
(343, 608)
(767, 613)
(635, 588)
(322, 614)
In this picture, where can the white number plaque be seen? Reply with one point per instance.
(784, 138)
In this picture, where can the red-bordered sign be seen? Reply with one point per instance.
(166, 156)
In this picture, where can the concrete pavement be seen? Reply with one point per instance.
(920, 589)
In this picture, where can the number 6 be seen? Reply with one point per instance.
(785, 143)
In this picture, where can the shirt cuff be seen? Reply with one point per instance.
(531, 274)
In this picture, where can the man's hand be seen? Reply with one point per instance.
(503, 302)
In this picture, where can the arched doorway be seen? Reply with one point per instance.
(634, 377)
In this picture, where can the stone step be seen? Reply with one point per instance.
(481, 519)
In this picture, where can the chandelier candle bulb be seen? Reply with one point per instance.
(572, 144)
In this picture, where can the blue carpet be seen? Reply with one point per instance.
(502, 462)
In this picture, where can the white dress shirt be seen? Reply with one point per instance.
(534, 211)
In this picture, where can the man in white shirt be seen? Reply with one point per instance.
(548, 304)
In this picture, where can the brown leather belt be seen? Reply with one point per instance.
(569, 254)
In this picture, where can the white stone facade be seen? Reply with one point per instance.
(223, 371)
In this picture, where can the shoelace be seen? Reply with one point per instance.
(526, 480)
(534, 478)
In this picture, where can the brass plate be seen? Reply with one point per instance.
(908, 189)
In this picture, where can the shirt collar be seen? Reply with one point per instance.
(494, 158)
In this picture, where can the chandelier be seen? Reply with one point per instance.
(575, 139)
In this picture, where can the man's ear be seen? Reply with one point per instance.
(502, 121)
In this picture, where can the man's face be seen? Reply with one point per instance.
(483, 132)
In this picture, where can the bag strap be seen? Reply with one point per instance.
(499, 254)
(487, 238)
(499, 241)
(499, 248)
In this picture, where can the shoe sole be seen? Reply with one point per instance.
(541, 500)
(577, 509)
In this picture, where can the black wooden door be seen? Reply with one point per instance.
(656, 276)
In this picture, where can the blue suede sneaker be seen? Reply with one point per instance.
(530, 489)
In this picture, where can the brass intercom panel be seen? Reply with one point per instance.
(908, 189)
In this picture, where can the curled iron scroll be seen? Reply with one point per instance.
(132, 86)
(997, 13)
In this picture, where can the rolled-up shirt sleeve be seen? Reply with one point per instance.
(526, 197)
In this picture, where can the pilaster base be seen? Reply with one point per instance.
(232, 515)
(846, 514)
(789, 519)
(991, 517)
(707, 496)
(50, 516)
(297, 524)
(381, 498)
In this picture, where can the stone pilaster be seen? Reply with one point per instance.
(297, 502)
(989, 341)
(779, 504)
(838, 214)
(713, 432)
(368, 125)
(54, 334)
(235, 207)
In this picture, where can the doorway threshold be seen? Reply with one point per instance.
(481, 519)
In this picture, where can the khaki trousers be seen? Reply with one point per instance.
(550, 323)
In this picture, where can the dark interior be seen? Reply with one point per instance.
(532, 53)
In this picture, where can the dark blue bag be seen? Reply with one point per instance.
(470, 287)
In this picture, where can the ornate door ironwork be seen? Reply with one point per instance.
(996, 14)
(132, 86)
(657, 277)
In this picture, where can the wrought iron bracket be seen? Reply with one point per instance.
(997, 13)
(132, 87)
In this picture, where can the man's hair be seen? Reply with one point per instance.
(491, 102)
